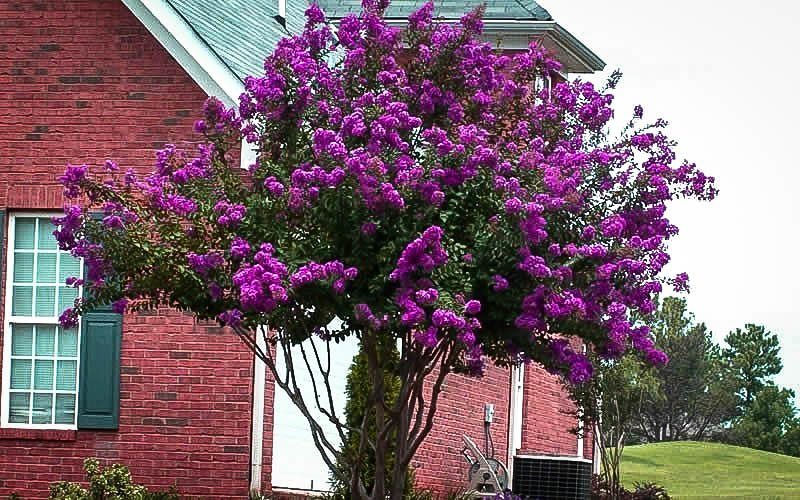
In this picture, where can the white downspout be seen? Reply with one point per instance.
(596, 453)
(515, 416)
(248, 156)
(580, 409)
(257, 432)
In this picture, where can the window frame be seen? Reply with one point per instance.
(9, 319)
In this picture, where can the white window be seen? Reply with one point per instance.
(40, 359)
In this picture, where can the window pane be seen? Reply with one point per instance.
(19, 407)
(21, 340)
(65, 408)
(22, 301)
(23, 267)
(67, 342)
(46, 268)
(20, 373)
(46, 239)
(68, 266)
(45, 340)
(43, 374)
(42, 409)
(45, 301)
(24, 233)
(66, 376)
(66, 298)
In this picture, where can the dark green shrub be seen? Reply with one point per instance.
(603, 490)
(649, 491)
(110, 483)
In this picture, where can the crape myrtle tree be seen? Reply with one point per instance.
(450, 203)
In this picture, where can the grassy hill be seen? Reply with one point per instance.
(710, 470)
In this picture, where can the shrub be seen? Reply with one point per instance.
(110, 483)
(604, 490)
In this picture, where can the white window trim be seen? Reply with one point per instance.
(5, 386)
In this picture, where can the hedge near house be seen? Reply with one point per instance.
(450, 204)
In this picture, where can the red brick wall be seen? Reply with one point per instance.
(546, 426)
(439, 464)
(82, 81)
(548, 416)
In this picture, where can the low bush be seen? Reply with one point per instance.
(603, 490)
(110, 483)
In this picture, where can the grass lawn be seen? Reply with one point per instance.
(710, 470)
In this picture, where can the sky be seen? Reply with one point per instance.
(724, 75)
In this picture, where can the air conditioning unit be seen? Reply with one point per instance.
(551, 478)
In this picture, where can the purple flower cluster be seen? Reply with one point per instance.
(67, 227)
(73, 176)
(423, 255)
(314, 272)
(229, 214)
(197, 168)
(261, 285)
(579, 367)
(203, 264)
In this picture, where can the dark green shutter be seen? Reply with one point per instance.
(98, 392)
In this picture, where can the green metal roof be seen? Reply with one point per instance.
(448, 9)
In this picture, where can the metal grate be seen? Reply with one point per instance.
(551, 478)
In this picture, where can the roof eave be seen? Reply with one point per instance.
(576, 56)
(194, 55)
(568, 42)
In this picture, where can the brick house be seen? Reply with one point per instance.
(180, 402)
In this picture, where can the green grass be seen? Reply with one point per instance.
(711, 470)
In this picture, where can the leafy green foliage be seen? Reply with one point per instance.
(610, 403)
(765, 422)
(695, 396)
(110, 483)
(753, 355)
(602, 489)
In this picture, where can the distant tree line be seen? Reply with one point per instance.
(707, 391)
(716, 392)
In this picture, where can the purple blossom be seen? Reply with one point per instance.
(240, 248)
(203, 264)
(73, 176)
(472, 307)
(69, 318)
(119, 306)
(67, 226)
(111, 166)
(499, 283)
(232, 317)
(681, 282)
(230, 214)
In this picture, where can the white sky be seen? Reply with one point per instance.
(725, 75)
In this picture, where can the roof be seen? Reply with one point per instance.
(448, 9)
(220, 42)
(241, 32)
